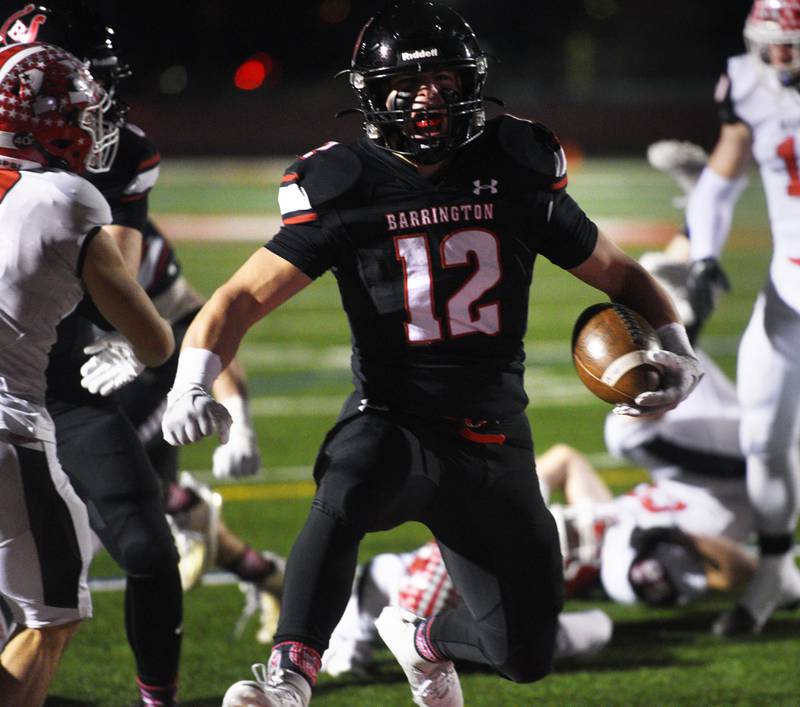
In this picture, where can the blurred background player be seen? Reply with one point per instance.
(760, 109)
(53, 244)
(204, 541)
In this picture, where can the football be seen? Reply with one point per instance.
(609, 348)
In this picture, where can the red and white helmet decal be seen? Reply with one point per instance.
(773, 21)
(51, 110)
(22, 26)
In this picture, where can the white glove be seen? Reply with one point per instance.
(111, 366)
(240, 455)
(192, 414)
(680, 374)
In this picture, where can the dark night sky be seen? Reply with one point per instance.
(610, 74)
(627, 40)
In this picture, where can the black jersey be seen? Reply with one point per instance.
(435, 275)
(126, 187)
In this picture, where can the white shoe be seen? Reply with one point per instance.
(347, 656)
(271, 688)
(582, 633)
(774, 586)
(683, 161)
(432, 684)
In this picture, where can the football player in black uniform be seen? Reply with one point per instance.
(97, 445)
(431, 223)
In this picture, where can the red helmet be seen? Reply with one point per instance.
(51, 112)
(775, 23)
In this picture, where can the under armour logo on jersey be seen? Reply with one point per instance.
(478, 187)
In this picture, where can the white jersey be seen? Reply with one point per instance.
(44, 220)
(693, 455)
(699, 437)
(773, 114)
(720, 510)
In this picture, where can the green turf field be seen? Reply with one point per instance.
(297, 365)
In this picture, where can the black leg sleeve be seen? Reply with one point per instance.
(319, 576)
(505, 564)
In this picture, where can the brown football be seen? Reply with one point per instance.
(609, 347)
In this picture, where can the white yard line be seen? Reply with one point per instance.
(260, 228)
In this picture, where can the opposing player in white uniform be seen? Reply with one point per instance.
(51, 128)
(760, 110)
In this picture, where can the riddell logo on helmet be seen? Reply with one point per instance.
(419, 54)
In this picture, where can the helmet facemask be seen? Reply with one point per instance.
(395, 121)
(105, 134)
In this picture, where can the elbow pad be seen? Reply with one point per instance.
(709, 213)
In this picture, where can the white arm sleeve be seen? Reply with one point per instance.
(709, 213)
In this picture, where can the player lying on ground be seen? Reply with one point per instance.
(418, 582)
(204, 541)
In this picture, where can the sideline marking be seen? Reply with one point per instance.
(297, 490)
(267, 492)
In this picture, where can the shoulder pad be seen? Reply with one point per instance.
(316, 178)
(135, 129)
(534, 147)
(136, 149)
(737, 82)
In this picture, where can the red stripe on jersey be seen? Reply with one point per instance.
(481, 438)
(133, 197)
(8, 178)
(560, 184)
(291, 177)
(150, 162)
(796, 261)
(301, 218)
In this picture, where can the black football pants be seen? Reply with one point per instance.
(481, 501)
(109, 469)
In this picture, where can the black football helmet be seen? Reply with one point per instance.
(81, 30)
(411, 37)
(667, 569)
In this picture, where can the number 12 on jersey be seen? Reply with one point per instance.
(463, 317)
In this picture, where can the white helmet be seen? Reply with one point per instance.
(775, 23)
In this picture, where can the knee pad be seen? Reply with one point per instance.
(149, 557)
(526, 656)
(527, 666)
